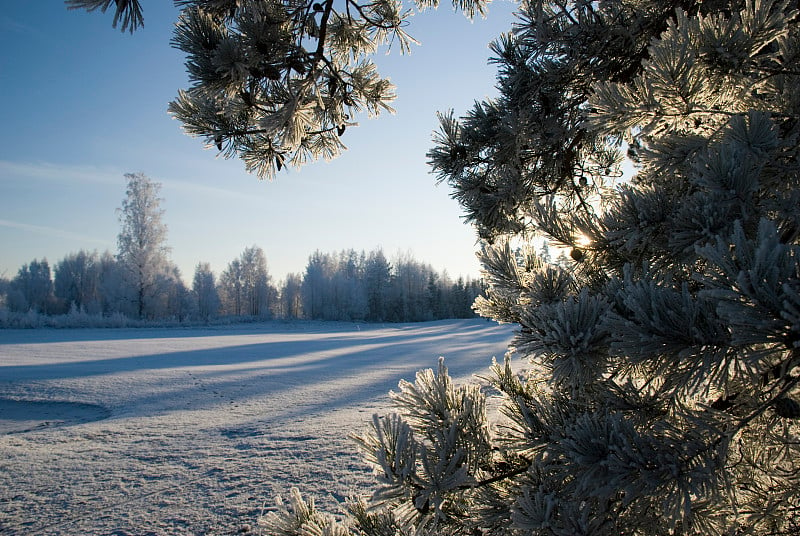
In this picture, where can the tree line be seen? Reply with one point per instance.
(140, 282)
(347, 286)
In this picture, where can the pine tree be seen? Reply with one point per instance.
(378, 280)
(661, 392)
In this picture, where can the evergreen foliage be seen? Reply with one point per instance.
(278, 82)
(661, 392)
(661, 395)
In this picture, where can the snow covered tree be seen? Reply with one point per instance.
(230, 289)
(259, 293)
(544, 253)
(662, 392)
(128, 12)
(142, 250)
(32, 288)
(407, 299)
(352, 286)
(205, 291)
(291, 297)
(316, 288)
(245, 287)
(5, 285)
(175, 300)
(377, 282)
(461, 296)
(348, 286)
(77, 281)
(116, 294)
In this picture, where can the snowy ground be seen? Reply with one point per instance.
(194, 431)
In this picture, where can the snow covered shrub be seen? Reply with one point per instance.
(78, 317)
(300, 518)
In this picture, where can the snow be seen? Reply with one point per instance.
(196, 430)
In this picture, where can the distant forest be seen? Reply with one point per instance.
(140, 284)
(343, 286)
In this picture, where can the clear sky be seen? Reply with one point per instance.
(83, 103)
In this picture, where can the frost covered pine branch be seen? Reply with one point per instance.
(662, 396)
(661, 390)
(277, 83)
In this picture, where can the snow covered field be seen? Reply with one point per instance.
(194, 431)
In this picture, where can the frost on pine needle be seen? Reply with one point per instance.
(300, 517)
(662, 348)
(432, 450)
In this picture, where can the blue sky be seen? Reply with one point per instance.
(83, 104)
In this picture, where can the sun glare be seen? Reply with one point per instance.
(583, 241)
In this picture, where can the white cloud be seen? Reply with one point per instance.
(60, 172)
(211, 192)
(74, 174)
(51, 231)
(9, 25)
